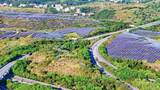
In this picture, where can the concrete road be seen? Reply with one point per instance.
(5, 70)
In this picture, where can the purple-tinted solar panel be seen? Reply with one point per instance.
(135, 47)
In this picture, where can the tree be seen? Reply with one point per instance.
(52, 10)
(104, 14)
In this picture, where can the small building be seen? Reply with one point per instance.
(116, 1)
(58, 7)
(83, 14)
(22, 5)
(41, 6)
(10, 5)
(78, 11)
(66, 9)
(72, 8)
(3, 4)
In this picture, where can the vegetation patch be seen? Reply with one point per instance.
(19, 86)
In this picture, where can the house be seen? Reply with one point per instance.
(78, 11)
(90, 14)
(40, 6)
(58, 7)
(72, 8)
(3, 4)
(22, 5)
(45, 6)
(66, 9)
(10, 5)
(116, 1)
(83, 14)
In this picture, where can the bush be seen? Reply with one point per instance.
(87, 9)
(72, 36)
(104, 14)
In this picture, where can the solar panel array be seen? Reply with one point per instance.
(4, 26)
(38, 16)
(10, 34)
(146, 33)
(46, 35)
(81, 31)
(135, 47)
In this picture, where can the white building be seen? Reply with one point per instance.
(58, 7)
(66, 9)
(72, 8)
(116, 1)
(22, 5)
(3, 4)
(78, 11)
(41, 6)
(10, 5)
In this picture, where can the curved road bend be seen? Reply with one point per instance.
(96, 45)
(99, 58)
(30, 81)
(5, 70)
(141, 26)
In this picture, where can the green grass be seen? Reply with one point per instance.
(17, 52)
(20, 86)
(78, 50)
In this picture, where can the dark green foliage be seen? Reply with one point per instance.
(126, 73)
(104, 14)
(17, 52)
(155, 6)
(85, 53)
(87, 9)
(21, 66)
(109, 26)
(155, 28)
(51, 10)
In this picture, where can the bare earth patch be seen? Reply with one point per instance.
(67, 67)
(155, 66)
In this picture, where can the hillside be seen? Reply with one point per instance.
(131, 13)
(91, 45)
